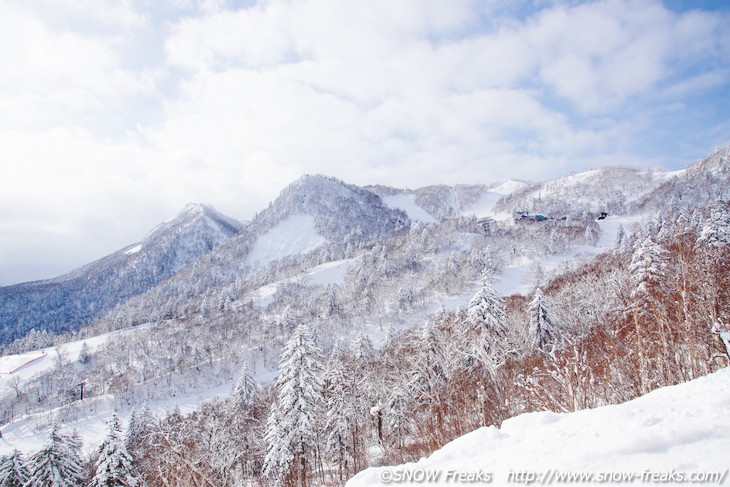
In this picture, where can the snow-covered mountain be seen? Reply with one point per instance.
(311, 219)
(702, 181)
(314, 211)
(674, 433)
(79, 297)
(369, 266)
(614, 190)
(436, 203)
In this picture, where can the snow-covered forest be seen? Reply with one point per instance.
(347, 327)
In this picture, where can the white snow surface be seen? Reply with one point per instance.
(508, 187)
(484, 208)
(134, 249)
(322, 275)
(678, 430)
(293, 235)
(407, 203)
(28, 433)
(518, 277)
(481, 209)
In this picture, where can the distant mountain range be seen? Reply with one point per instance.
(69, 301)
(201, 249)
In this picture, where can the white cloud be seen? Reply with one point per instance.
(50, 77)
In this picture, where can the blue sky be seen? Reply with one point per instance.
(114, 114)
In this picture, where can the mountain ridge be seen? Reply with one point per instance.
(78, 297)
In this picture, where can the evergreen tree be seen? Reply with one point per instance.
(84, 353)
(287, 321)
(486, 311)
(114, 466)
(541, 333)
(362, 348)
(292, 435)
(647, 271)
(279, 457)
(57, 464)
(13, 472)
(340, 414)
(486, 325)
(716, 229)
(245, 393)
(140, 424)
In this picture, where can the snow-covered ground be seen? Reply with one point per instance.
(407, 203)
(322, 275)
(23, 367)
(294, 235)
(518, 277)
(483, 208)
(674, 435)
(88, 418)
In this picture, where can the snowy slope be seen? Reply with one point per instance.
(434, 203)
(322, 275)
(296, 234)
(679, 430)
(517, 277)
(407, 203)
(615, 190)
(28, 433)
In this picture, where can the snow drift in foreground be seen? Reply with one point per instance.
(674, 435)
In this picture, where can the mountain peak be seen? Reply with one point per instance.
(193, 212)
(169, 247)
(194, 208)
(318, 185)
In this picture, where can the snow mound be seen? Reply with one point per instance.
(673, 434)
(296, 234)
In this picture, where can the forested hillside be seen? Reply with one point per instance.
(358, 327)
(80, 297)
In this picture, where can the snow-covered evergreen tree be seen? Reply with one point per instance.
(292, 435)
(541, 332)
(114, 466)
(486, 311)
(57, 464)
(716, 229)
(140, 424)
(647, 270)
(486, 329)
(339, 416)
(388, 338)
(84, 353)
(244, 394)
(362, 348)
(13, 471)
(278, 460)
(287, 321)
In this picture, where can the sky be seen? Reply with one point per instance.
(116, 113)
